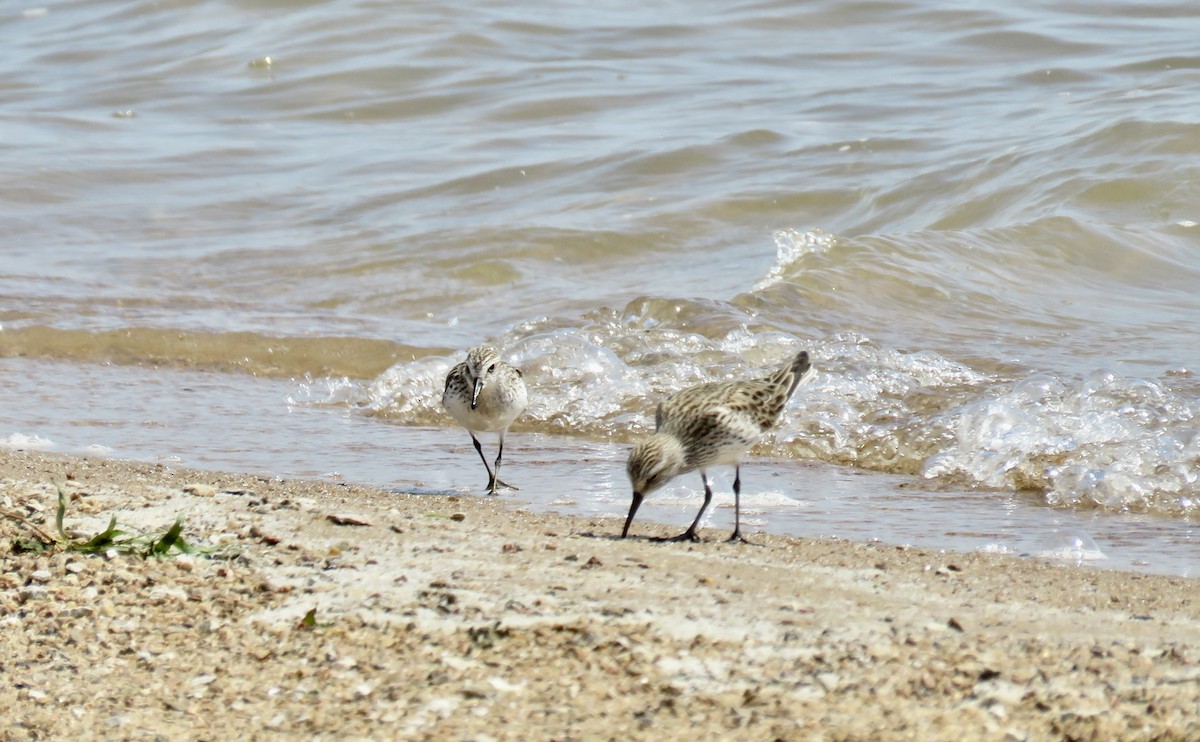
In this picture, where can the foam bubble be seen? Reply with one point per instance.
(21, 441)
(1077, 548)
(410, 391)
(868, 406)
(1103, 440)
(995, 549)
(758, 503)
(790, 246)
(581, 384)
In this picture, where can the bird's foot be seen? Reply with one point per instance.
(500, 484)
(688, 535)
(737, 538)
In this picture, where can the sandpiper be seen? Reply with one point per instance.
(708, 425)
(485, 394)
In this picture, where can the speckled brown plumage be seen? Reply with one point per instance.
(709, 425)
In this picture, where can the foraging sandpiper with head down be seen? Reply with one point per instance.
(708, 425)
(485, 394)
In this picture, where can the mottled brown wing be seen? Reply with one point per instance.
(690, 403)
(762, 401)
(713, 431)
(457, 374)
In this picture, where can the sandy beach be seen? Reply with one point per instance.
(318, 610)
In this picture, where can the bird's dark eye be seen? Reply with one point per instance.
(491, 368)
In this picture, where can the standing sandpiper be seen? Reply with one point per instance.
(485, 394)
(707, 425)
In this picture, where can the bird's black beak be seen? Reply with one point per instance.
(475, 393)
(637, 501)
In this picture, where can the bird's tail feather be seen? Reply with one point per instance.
(792, 373)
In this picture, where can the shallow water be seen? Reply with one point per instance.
(982, 222)
(195, 419)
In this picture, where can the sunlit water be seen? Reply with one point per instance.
(982, 221)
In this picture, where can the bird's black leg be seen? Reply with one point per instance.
(690, 534)
(491, 485)
(737, 509)
(499, 482)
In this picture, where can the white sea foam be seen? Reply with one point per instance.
(410, 391)
(1103, 440)
(759, 502)
(790, 246)
(995, 549)
(1077, 548)
(21, 441)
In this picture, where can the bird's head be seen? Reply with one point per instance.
(481, 364)
(653, 462)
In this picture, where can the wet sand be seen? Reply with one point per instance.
(462, 618)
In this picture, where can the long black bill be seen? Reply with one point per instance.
(475, 393)
(637, 501)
